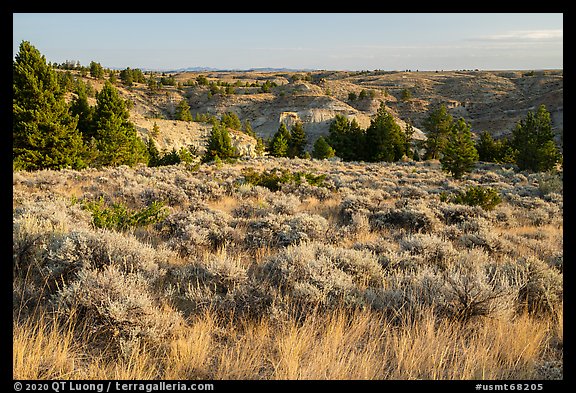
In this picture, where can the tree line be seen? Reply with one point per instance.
(531, 145)
(48, 133)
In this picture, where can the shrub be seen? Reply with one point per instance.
(118, 217)
(119, 307)
(456, 214)
(413, 217)
(302, 227)
(318, 274)
(353, 204)
(467, 289)
(282, 230)
(434, 250)
(187, 232)
(486, 198)
(542, 290)
(550, 182)
(274, 178)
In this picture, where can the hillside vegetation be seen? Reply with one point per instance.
(355, 271)
(322, 225)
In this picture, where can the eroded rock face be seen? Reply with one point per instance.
(492, 101)
(244, 144)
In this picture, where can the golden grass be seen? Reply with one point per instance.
(328, 209)
(43, 349)
(336, 345)
(225, 204)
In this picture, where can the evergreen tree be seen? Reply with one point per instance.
(182, 111)
(96, 70)
(153, 153)
(219, 144)
(459, 155)
(339, 136)
(66, 81)
(533, 141)
(279, 146)
(488, 149)
(79, 107)
(116, 136)
(384, 138)
(112, 78)
(170, 158)
(346, 138)
(138, 76)
(202, 80)
(248, 129)
(260, 146)
(126, 77)
(44, 134)
(408, 134)
(280, 142)
(155, 130)
(322, 149)
(406, 95)
(231, 120)
(297, 141)
(437, 127)
(152, 83)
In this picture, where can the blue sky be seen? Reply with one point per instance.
(331, 41)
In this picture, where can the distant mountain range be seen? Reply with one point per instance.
(211, 69)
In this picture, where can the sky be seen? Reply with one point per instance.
(327, 41)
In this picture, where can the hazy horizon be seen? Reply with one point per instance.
(327, 41)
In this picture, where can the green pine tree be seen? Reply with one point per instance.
(322, 149)
(219, 144)
(486, 147)
(153, 153)
(247, 128)
(533, 141)
(112, 78)
(81, 108)
(385, 140)
(298, 140)
(408, 135)
(231, 120)
(459, 155)
(279, 146)
(280, 142)
(44, 134)
(116, 136)
(155, 130)
(183, 111)
(96, 70)
(347, 138)
(437, 127)
(260, 146)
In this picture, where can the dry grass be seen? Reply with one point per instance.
(42, 349)
(308, 282)
(341, 345)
